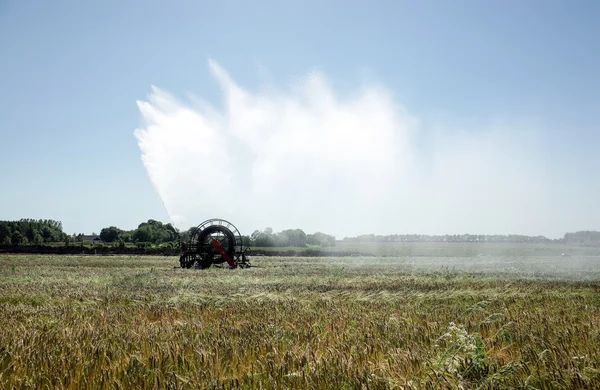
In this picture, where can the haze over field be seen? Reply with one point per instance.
(308, 156)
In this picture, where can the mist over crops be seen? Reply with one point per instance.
(577, 268)
(306, 156)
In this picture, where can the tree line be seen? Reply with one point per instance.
(153, 232)
(508, 238)
(290, 237)
(582, 237)
(156, 232)
(586, 237)
(31, 231)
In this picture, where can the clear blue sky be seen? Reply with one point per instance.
(71, 72)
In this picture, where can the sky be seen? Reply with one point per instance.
(346, 117)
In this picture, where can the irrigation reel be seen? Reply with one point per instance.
(215, 241)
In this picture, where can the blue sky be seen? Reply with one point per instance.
(72, 71)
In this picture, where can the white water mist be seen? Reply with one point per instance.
(308, 158)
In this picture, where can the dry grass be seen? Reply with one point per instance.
(134, 322)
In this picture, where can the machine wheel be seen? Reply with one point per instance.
(186, 261)
(223, 236)
(215, 241)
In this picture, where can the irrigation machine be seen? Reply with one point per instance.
(214, 241)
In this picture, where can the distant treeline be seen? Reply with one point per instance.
(153, 232)
(289, 237)
(581, 237)
(31, 231)
(510, 238)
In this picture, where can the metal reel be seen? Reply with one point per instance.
(214, 231)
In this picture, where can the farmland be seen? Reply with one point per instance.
(422, 317)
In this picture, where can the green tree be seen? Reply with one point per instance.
(264, 238)
(110, 234)
(37, 239)
(155, 232)
(17, 238)
(127, 235)
(142, 234)
(291, 237)
(5, 231)
(321, 239)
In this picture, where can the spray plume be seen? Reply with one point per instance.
(308, 158)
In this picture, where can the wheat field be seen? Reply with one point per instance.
(114, 322)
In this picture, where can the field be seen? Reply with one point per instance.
(527, 319)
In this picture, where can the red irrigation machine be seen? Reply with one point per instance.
(214, 241)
